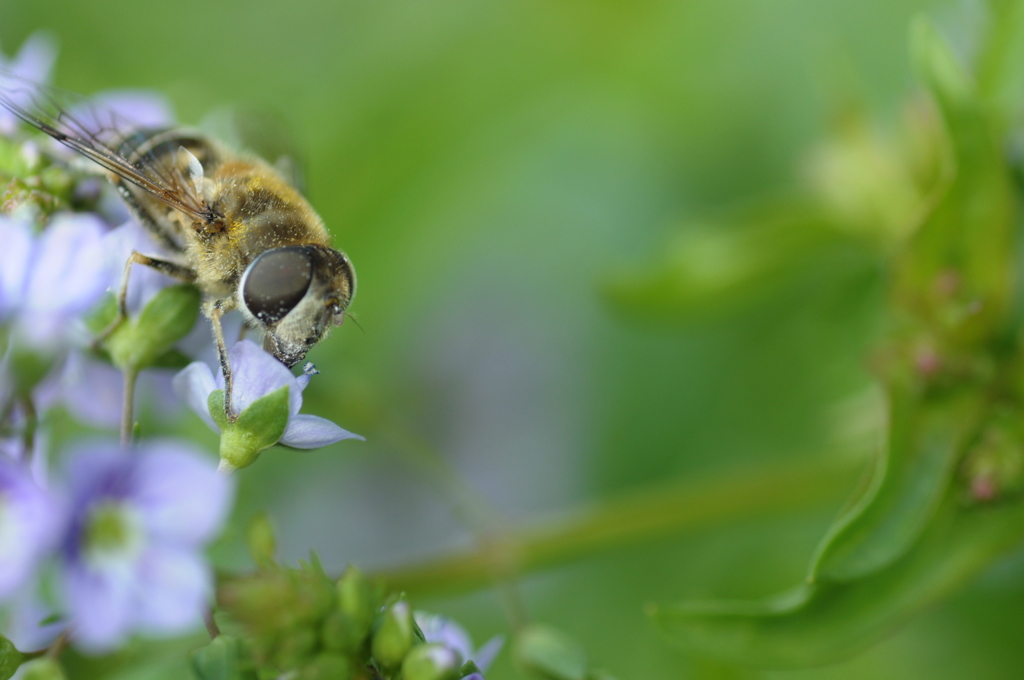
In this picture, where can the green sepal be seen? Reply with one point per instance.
(102, 314)
(550, 654)
(256, 429)
(165, 320)
(10, 658)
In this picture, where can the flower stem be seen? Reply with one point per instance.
(128, 406)
(643, 516)
(211, 624)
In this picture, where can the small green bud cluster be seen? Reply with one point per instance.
(30, 181)
(299, 621)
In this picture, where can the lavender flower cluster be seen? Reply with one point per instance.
(107, 542)
(113, 534)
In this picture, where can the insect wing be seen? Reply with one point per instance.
(104, 136)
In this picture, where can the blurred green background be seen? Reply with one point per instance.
(491, 167)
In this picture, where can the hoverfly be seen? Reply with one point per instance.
(235, 227)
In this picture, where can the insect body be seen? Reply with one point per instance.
(234, 225)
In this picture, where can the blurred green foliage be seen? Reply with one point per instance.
(604, 246)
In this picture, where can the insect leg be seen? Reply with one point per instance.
(215, 311)
(178, 271)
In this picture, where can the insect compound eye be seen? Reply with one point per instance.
(276, 281)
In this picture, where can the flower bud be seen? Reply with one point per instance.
(295, 648)
(328, 667)
(165, 320)
(42, 669)
(431, 662)
(358, 600)
(550, 654)
(394, 637)
(260, 538)
(339, 633)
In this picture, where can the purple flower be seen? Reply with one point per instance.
(29, 624)
(257, 373)
(144, 282)
(48, 280)
(132, 557)
(29, 524)
(92, 391)
(33, 62)
(441, 630)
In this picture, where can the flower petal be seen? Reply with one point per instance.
(179, 493)
(193, 385)
(92, 390)
(16, 259)
(312, 432)
(101, 605)
(484, 656)
(34, 60)
(29, 521)
(256, 373)
(174, 588)
(144, 282)
(70, 272)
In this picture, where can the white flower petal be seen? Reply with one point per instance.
(193, 385)
(312, 432)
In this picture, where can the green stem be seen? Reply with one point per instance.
(643, 516)
(127, 406)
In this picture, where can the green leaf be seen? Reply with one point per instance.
(550, 653)
(10, 658)
(925, 442)
(825, 622)
(257, 428)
